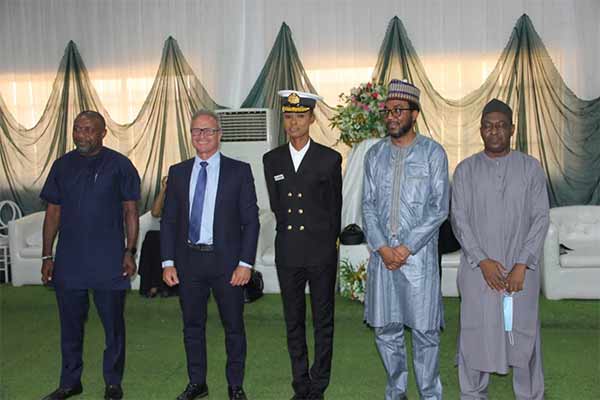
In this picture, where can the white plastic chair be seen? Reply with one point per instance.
(9, 211)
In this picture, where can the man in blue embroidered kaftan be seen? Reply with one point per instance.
(405, 200)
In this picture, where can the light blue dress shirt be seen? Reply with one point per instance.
(210, 197)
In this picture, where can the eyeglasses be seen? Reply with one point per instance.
(209, 132)
(500, 126)
(396, 111)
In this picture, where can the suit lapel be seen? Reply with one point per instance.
(307, 157)
(287, 161)
(187, 176)
(223, 176)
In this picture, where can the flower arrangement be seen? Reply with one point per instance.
(358, 118)
(353, 280)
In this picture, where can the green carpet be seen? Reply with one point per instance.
(155, 366)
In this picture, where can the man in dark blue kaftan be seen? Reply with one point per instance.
(91, 192)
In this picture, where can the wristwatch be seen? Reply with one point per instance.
(131, 251)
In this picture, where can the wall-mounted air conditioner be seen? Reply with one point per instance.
(248, 133)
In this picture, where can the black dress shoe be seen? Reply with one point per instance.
(315, 396)
(64, 393)
(194, 391)
(236, 393)
(299, 397)
(113, 392)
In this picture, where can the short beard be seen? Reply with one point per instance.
(83, 149)
(402, 130)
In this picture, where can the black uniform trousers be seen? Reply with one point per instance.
(321, 282)
(201, 274)
(73, 306)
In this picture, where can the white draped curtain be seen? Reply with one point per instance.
(226, 43)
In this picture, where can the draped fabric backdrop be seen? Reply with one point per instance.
(552, 123)
(156, 138)
(460, 53)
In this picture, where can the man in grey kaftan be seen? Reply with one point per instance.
(405, 200)
(500, 217)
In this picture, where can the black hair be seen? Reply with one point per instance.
(95, 115)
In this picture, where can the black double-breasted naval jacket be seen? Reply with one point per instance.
(307, 204)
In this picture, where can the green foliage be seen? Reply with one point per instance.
(353, 280)
(358, 119)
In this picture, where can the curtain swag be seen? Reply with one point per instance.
(552, 123)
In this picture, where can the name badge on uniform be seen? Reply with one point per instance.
(279, 177)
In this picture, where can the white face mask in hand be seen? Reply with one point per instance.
(507, 304)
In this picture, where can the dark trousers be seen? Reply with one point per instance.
(321, 281)
(73, 306)
(201, 274)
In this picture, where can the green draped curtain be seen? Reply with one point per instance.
(553, 125)
(283, 70)
(156, 138)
